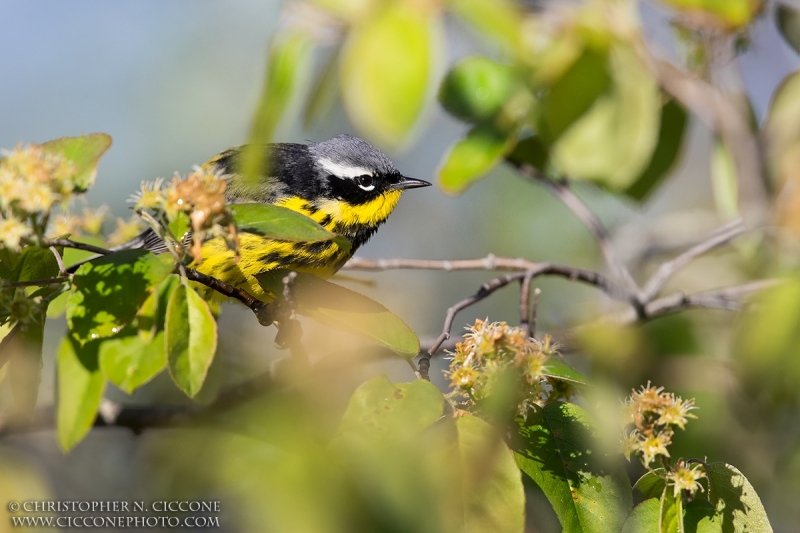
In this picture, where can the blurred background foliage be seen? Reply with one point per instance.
(450, 89)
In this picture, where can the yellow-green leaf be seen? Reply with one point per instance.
(108, 291)
(730, 14)
(287, 59)
(667, 151)
(346, 310)
(494, 499)
(386, 69)
(588, 490)
(324, 93)
(735, 499)
(497, 19)
(380, 407)
(283, 224)
(129, 362)
(35, 263)
(788, 19)
(723, 179)
(191, 339)
(476, 88)
(138, 353)
(671, 512)
(644, 518)
(474, 156)
(84, 152)
(613, 142)
(80, 390)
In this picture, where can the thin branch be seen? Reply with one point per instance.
(666, 270)
(590, 220)
(490, 262)
(524, 305)
(534, 311)
(61, 268)
(158, 229)
(67, 243)
(486, 289)
(726, 298)
(725, 114)
(257, 306)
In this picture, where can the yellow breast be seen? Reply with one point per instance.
(259, 254)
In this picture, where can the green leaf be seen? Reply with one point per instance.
(191, 339)
(108, 291)
(386, 69)
(8, 260)
(589, 491)
(572, 95)
(668, 148)
(788, 19)
(701, 518)
(324, 93)
(735, 499)
(652, 484)
(283, 224)
(180, 225)
(476, 88)
(494, 500)
(556, 367)
(728, 14)
(671, 512)
(129, 362)
(35, 263)
(644, 518)
(138, 354)
(287, 59)
(473, 156)
(23, 352)
(531, 151)
(80, 390)
(723, 178)
(379, 408)
(780, 127)
(73, 255)
(765, 345)
(347, 310)
(497, 19)
(613, 142)
(84, 152)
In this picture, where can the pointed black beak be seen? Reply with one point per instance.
(410, 183)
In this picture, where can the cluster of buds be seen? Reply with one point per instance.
(654, 415)
(201, 196)
(32, 182)
(491, 352)
(17, 307)
(685, 477)
(36, 187)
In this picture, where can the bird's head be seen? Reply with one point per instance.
(352, 170)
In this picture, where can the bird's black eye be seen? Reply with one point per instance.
(365, 181)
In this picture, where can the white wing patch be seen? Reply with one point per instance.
(343, 171)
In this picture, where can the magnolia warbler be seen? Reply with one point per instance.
(345, 184)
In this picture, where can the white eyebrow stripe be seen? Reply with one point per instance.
(343, 171)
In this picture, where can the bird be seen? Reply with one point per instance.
(345, 184)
